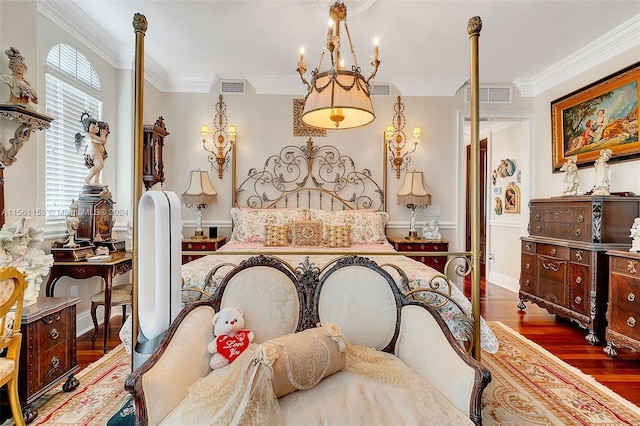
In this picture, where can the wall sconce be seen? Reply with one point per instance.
(396, 140)
(220, 145)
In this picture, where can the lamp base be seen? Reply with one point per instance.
(199, 235)
(413, 235)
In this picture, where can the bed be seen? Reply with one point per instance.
(324, 265)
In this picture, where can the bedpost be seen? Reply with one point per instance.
(473, 28)
(140, 28)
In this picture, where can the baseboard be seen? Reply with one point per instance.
(504, 281)
(84, 324)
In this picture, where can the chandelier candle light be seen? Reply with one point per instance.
(198, 194)
(413, 194)
(337, 98)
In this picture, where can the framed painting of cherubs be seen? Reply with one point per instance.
(602, 115)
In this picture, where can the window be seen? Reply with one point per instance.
(72, 88)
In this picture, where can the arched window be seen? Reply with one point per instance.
(73, 87)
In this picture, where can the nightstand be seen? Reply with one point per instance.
(195, 248)
(420, 244)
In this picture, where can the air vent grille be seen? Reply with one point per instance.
(380, 90)
(491, 94)
(232, 87)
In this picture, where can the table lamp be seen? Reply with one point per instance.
(198, 194)
(413, 194)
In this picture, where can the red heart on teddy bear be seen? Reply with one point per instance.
(231, 347)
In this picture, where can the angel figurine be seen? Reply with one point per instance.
(94, 142)
(571, 178)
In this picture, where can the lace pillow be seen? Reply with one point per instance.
(249, 225)
(303, 359)
(306, 233)
(367, 226)
(277, 236)
(338, 235)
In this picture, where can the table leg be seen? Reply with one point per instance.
(107, 305)
(51, 282)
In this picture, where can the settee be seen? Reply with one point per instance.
(357, 295)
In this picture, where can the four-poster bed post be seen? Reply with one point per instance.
(473, 28)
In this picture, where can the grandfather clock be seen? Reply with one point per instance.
(152, 146)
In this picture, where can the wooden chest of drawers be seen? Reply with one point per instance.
(48, 353)
(193, 248)
(436, 262)
(564, 267)
(623, 314)
(600, 219)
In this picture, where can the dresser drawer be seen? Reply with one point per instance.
(413, 246)
(528, 247)
(526, 283)
(49, 367)
(581, 256)
(553, 250)
(199, 245)
(53, 329)
(630, 267)
(552, 274)
(624, 307)
(579, 285)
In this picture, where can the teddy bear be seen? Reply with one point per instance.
(229, 337)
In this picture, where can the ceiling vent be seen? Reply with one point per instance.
(383, 89)
(491, 94)
(233, 87)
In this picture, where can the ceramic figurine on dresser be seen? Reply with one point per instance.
(431, 230)
(571, 178)
(603, 173)
(635, 235)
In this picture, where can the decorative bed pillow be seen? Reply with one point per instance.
(338, 235)
(249, 225)
(367, 226)
(303, 359)
(277, 236)
(306, 233)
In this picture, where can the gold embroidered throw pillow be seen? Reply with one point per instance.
(338, 235)
(277, 236)
(306, 233)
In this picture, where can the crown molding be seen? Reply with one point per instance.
(418, 86)
(276, 84)
(615, 42)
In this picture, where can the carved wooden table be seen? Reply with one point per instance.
(119, 264)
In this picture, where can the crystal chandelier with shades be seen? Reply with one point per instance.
(338, 98)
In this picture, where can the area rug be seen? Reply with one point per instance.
(100, 394)
(531, 386)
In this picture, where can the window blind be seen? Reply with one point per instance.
(66, 100)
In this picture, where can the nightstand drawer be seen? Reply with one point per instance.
(53, 329)
(194, 248)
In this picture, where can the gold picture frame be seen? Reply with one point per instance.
(512, 198)
(602, 115)
(301, 129)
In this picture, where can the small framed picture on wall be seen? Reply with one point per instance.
(512, 198)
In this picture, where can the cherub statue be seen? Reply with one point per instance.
(603, 174)
(94, 142)
(431, 230)
(571, 178)
(20, 91)
(635, 235)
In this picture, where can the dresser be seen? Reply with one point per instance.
(195, 248)
(420, 244)
(48, 353)
(564, 266)
(623, 313)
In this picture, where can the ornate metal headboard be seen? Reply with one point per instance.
(309, 176)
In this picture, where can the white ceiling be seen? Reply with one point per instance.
(424, 45)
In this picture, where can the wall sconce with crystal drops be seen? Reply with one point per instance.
(396, 140)
(221, 143)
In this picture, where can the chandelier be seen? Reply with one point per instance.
(337, 98)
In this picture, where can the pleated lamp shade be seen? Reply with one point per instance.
(413, 191)
(199, 191)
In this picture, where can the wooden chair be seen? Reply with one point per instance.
(12, 287)
(120, 296)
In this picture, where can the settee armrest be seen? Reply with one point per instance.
(162, 381)
(427, 346)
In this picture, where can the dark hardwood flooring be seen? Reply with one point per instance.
(558, 336)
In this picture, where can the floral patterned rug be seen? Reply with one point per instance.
(99, 396)
(531, 386)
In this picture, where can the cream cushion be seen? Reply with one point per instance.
(256, 291)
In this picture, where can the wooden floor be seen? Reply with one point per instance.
(558, 336)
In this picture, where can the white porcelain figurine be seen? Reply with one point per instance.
(635, 235)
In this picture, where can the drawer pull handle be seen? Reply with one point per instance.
(578, 280)
(555, 267)
(527, 283)
(421, 247)
(409, 247)
(580, 218)
(631, 322)
(189, 245)
(537, 216)
(538, 228)
(527, 247)
(435, 260)
(631, 266)
(436, 248)
(554, 251)
(631, 297)
(54, 334)
(202, 247)
(579, 255)
(55, 361)
(527, 266)
(578, 300)
(578, 232)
